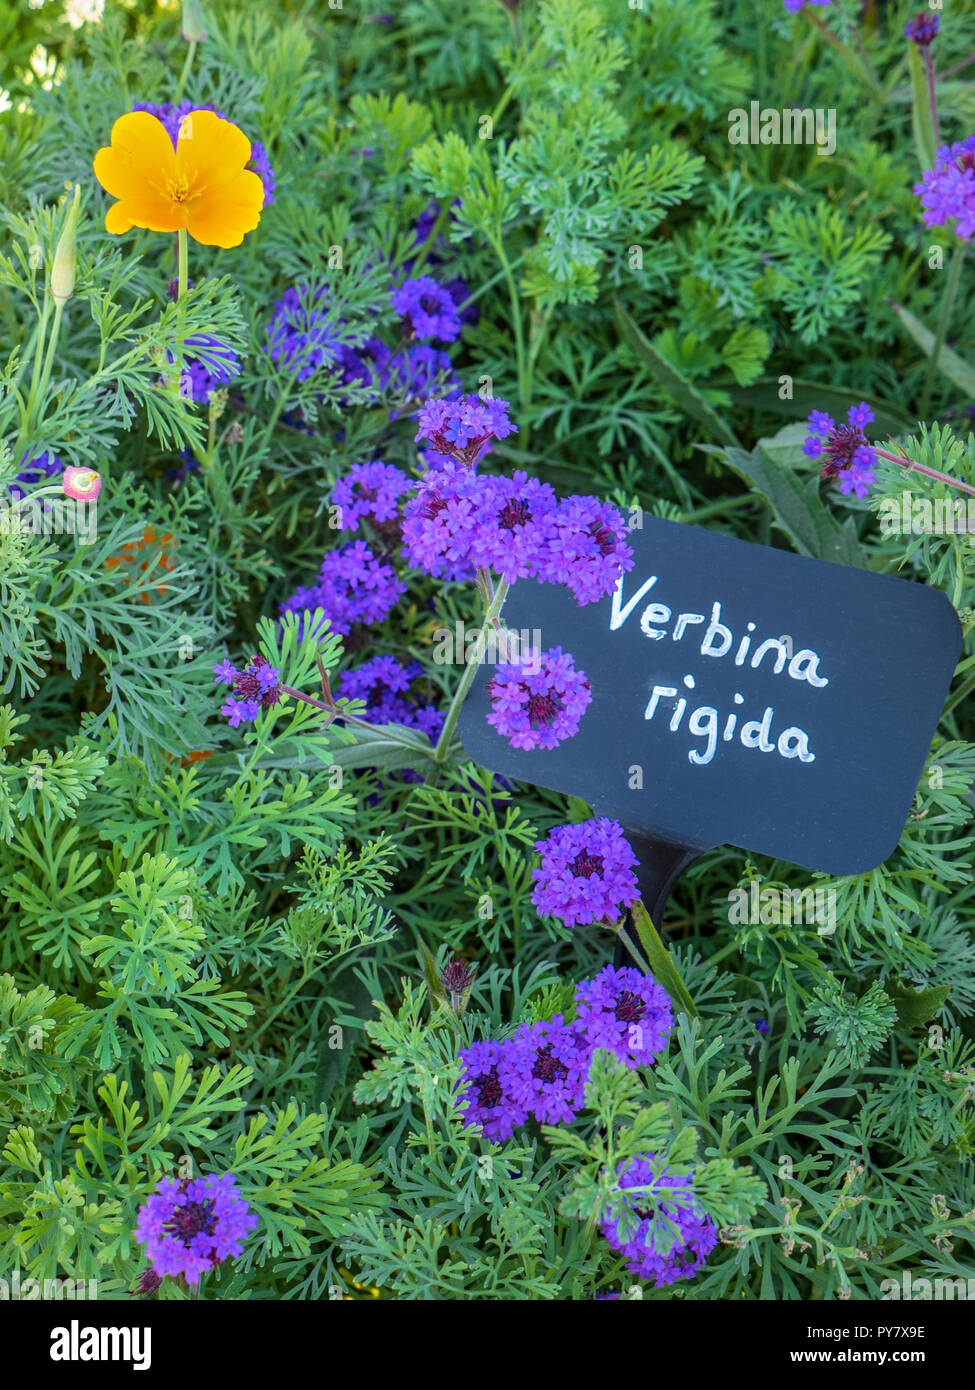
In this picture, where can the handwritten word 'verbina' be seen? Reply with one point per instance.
(718, 638)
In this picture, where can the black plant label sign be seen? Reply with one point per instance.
(740, 695)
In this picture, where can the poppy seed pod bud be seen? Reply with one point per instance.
(62, 272)
(194, 29)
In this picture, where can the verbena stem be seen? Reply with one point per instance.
(913, 467)
(944, 318)
(470, 671)
(353, 719)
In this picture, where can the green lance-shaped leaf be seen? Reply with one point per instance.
(660, 961)
(666, 375)
(924, 137)
(797, 507)
(804, 395)
(955, 368)
(386, 747)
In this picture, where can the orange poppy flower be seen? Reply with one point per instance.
(203, 186)
(191, 758)
(138, 554)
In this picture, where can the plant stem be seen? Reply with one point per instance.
(275, 1012)
(37, 402)
(38, 356)
(961, 694)
(187, 65)
(524, 393)
(858, 63)
(467, 679)
(278, 408)
(950, 72)
(353, 719)
(184, 260)
(631, 946)
(933, 95)
(913, 467)
(947, 304)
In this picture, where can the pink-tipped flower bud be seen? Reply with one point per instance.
(81, 484)
(194, 29)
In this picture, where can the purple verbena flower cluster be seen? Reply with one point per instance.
(428, 308)
(586, 548)
(256, 688)
(482, 1098)
(34, 470)
(586, 874)
(627, 1013)
(546, 1067)
(369, 490)
(172, 114)
(208, 365)
(542, 1070)
(794, 6)
(849, 457)
(537, 701)
(460, 428)
(948, 189)
(650, 1201)
(459, 520)
(384, 684)
(190, 1227)
(354, 586)
(303, 331)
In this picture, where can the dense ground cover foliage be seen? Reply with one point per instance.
(295, 1000)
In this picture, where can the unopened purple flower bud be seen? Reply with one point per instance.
(149, 1283)
(923, 29)
(457, 979)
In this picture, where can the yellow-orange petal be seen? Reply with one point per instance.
(147, 209)
(140, 153)
(211, 152)
(116, 221)
(222, 218)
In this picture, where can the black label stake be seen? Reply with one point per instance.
(740, 695)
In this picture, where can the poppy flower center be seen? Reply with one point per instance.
(178, 189)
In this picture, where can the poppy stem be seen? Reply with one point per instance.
(36, 403)
(187, 64)
(183, 268)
